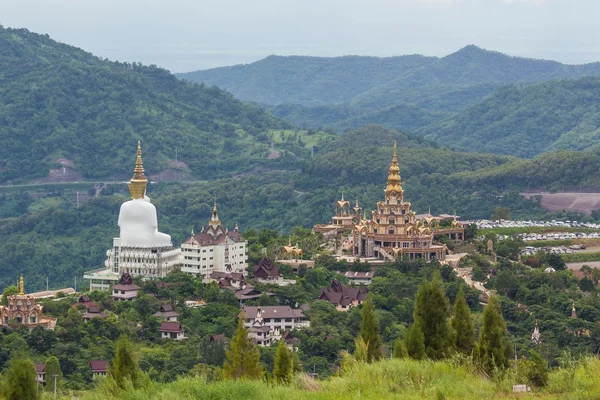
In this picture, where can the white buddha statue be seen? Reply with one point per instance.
(138, 222)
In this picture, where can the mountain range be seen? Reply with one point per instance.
(453, 99)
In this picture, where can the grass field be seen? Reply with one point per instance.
(388, 379)
(580, 257)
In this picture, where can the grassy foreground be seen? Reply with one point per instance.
(388, 379)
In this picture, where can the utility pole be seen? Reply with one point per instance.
(77, 199)
(55, 378)
(75, 283)
(46, 284)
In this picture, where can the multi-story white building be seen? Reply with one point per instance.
(140, 248)
(215, 249)
(268, 324)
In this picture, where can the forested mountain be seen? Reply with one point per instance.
(526, 120)
(308, 81)
(443, 97)
(61, 106)
(381, 82)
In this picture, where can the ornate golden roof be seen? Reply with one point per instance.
(138, 182)
(394, 182)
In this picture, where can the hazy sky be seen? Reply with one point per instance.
(185, 35)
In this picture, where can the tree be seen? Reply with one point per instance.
(415, 342)
(20, 381)
(52, 370)
(242, 358)
(369, 331)
(125, 366)
(399, 349)
(501, 213)
(283, 369)
(538, 370)
(431, 316)
(9, 291)
(462, 324)
(492, 347)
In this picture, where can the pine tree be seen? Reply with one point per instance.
(462, 324)
(399, 349)
(296, 365)
(415, 342)
(283, 369)
(492, 347)
(369, 331)
(243, 357)
(431, 315)
(538, 372)
(361, 350)
(20, 380)
(124, 365)
(52, 369)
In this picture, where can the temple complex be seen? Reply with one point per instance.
(215, 249)
(140, 249)
(394, 230)
(23, 309)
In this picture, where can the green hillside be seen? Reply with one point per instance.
(406, 117)
(559, 171)
(307, 81)
(525, 120)
(61, 106)
(416, 93)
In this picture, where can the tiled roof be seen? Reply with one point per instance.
(99, 365)
(336, 293)
(171, 327)
(273, 312)
(40, 368)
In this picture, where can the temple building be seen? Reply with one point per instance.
(140, 249)
(23, 309)
(344, 218)
(215, 249)
(394, 230)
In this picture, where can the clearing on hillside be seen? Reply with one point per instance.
(582, 202)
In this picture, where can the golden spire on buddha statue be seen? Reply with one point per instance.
(21, 286)
(394, 182)
(137, 183)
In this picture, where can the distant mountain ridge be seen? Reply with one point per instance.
(473, 99)
(373, 81)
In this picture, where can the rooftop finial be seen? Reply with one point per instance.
(342, 195)
(137, 184)
(21, 286)
(394, 182)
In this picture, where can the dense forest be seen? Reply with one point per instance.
(526, 120)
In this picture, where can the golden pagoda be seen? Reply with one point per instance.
(138, 182)
(394, 230)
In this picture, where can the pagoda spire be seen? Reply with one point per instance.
(394, 182)
(21, 286)
(214, 218)
(138, 182)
